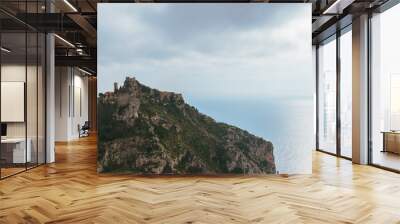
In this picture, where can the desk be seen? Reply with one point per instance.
(391, 141)
(14, 150)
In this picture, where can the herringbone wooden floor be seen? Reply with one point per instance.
(70, 191)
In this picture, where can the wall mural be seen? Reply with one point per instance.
(205, 88)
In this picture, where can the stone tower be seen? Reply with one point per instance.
(115, 87)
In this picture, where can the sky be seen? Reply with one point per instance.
(231, 50)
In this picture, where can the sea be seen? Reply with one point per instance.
(287, 123)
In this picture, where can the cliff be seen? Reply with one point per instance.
(147, 131)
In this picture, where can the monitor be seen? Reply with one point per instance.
(3, 129)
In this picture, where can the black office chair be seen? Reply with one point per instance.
(84, 130)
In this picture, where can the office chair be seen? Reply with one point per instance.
(84, 130)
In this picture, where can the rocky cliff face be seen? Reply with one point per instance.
(143, 130)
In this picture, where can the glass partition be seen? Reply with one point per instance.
(13, 94)
(22, 77)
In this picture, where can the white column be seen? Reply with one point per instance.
(50, 100)
(360, 90)
(50, 92)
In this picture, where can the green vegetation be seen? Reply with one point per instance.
(156, 132)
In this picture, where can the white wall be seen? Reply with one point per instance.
(80, 115)
(61, 103)
(71, 94)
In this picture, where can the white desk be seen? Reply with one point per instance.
(19, 154)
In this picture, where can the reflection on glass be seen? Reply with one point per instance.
(386, 89)
(327, 96)
(346, 94)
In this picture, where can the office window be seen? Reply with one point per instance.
(346, 93)
(385, 90)
(327, 96)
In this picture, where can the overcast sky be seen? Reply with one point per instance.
(208, 50)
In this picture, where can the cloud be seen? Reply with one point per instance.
(232, 50)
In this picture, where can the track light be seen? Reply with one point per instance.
(70, 5)
(65, 41)
(5, 50)
(337, 7)
(79, 51)
(84, 71)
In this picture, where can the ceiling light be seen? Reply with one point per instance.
(65, 41)
(79, 51)
(70, 5)
(84, 71)
(338, 6)
(5, 50)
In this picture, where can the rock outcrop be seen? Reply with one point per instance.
(147, 131)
